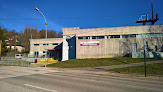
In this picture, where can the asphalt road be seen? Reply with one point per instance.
(63, 81)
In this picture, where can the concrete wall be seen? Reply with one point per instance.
(153, 44)
(49, 40)
(116, 47)
(106, 48)
(111, 47)
(41, 47)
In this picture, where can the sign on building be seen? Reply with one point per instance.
(92, 43)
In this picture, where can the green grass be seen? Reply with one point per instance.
(152, 69)
(77, 63)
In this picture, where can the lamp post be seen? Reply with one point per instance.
(46, 34)
(145, 57)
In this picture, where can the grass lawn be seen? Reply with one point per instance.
(77, 63)
(152, 69)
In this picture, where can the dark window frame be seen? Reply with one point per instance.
(114, 36)
(45, 44)
(83, 37)
(54, 43)
(129, 36)
(98, 37)
(36, 44)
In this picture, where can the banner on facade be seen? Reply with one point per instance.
(92, 43)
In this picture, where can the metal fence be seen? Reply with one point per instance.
(12, 61)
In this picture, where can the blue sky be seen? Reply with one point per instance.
(17, 14)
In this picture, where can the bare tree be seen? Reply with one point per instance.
(52, 34)
(60, 35)
(28, 32)
(42, 33)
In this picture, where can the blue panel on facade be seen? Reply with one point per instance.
(72, 47)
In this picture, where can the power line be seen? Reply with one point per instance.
(82, 17)
(21, 19)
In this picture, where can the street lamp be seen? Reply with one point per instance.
(46, 34)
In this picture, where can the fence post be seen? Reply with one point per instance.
(27, 63)
(22, 63)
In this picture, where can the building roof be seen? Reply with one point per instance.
(113, 30)
(12, 42)
(49, 40)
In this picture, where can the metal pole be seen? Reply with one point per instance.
(46, 34)
(145, 56)
(46, 45)
(152, 8)
(0, 48)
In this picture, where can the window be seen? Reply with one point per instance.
(133, 35)
(93, 37)
(45, 44)
(85, 37)
(36, 44)
(80, 38)
(98, 37)
(36, 54)
(55, 43)
(129, 36)
(115, 36)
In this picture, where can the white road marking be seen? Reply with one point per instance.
(39, 88)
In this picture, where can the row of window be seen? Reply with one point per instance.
(37, 52)
(110, 36)
(45, 44)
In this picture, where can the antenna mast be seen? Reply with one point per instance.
(144, 21)
(152, 7)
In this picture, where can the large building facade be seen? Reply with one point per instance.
(110, 42)
(106, 42)
(38, 48)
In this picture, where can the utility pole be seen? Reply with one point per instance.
(0, 48)
(145, 56)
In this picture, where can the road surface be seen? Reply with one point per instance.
(13, 79)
